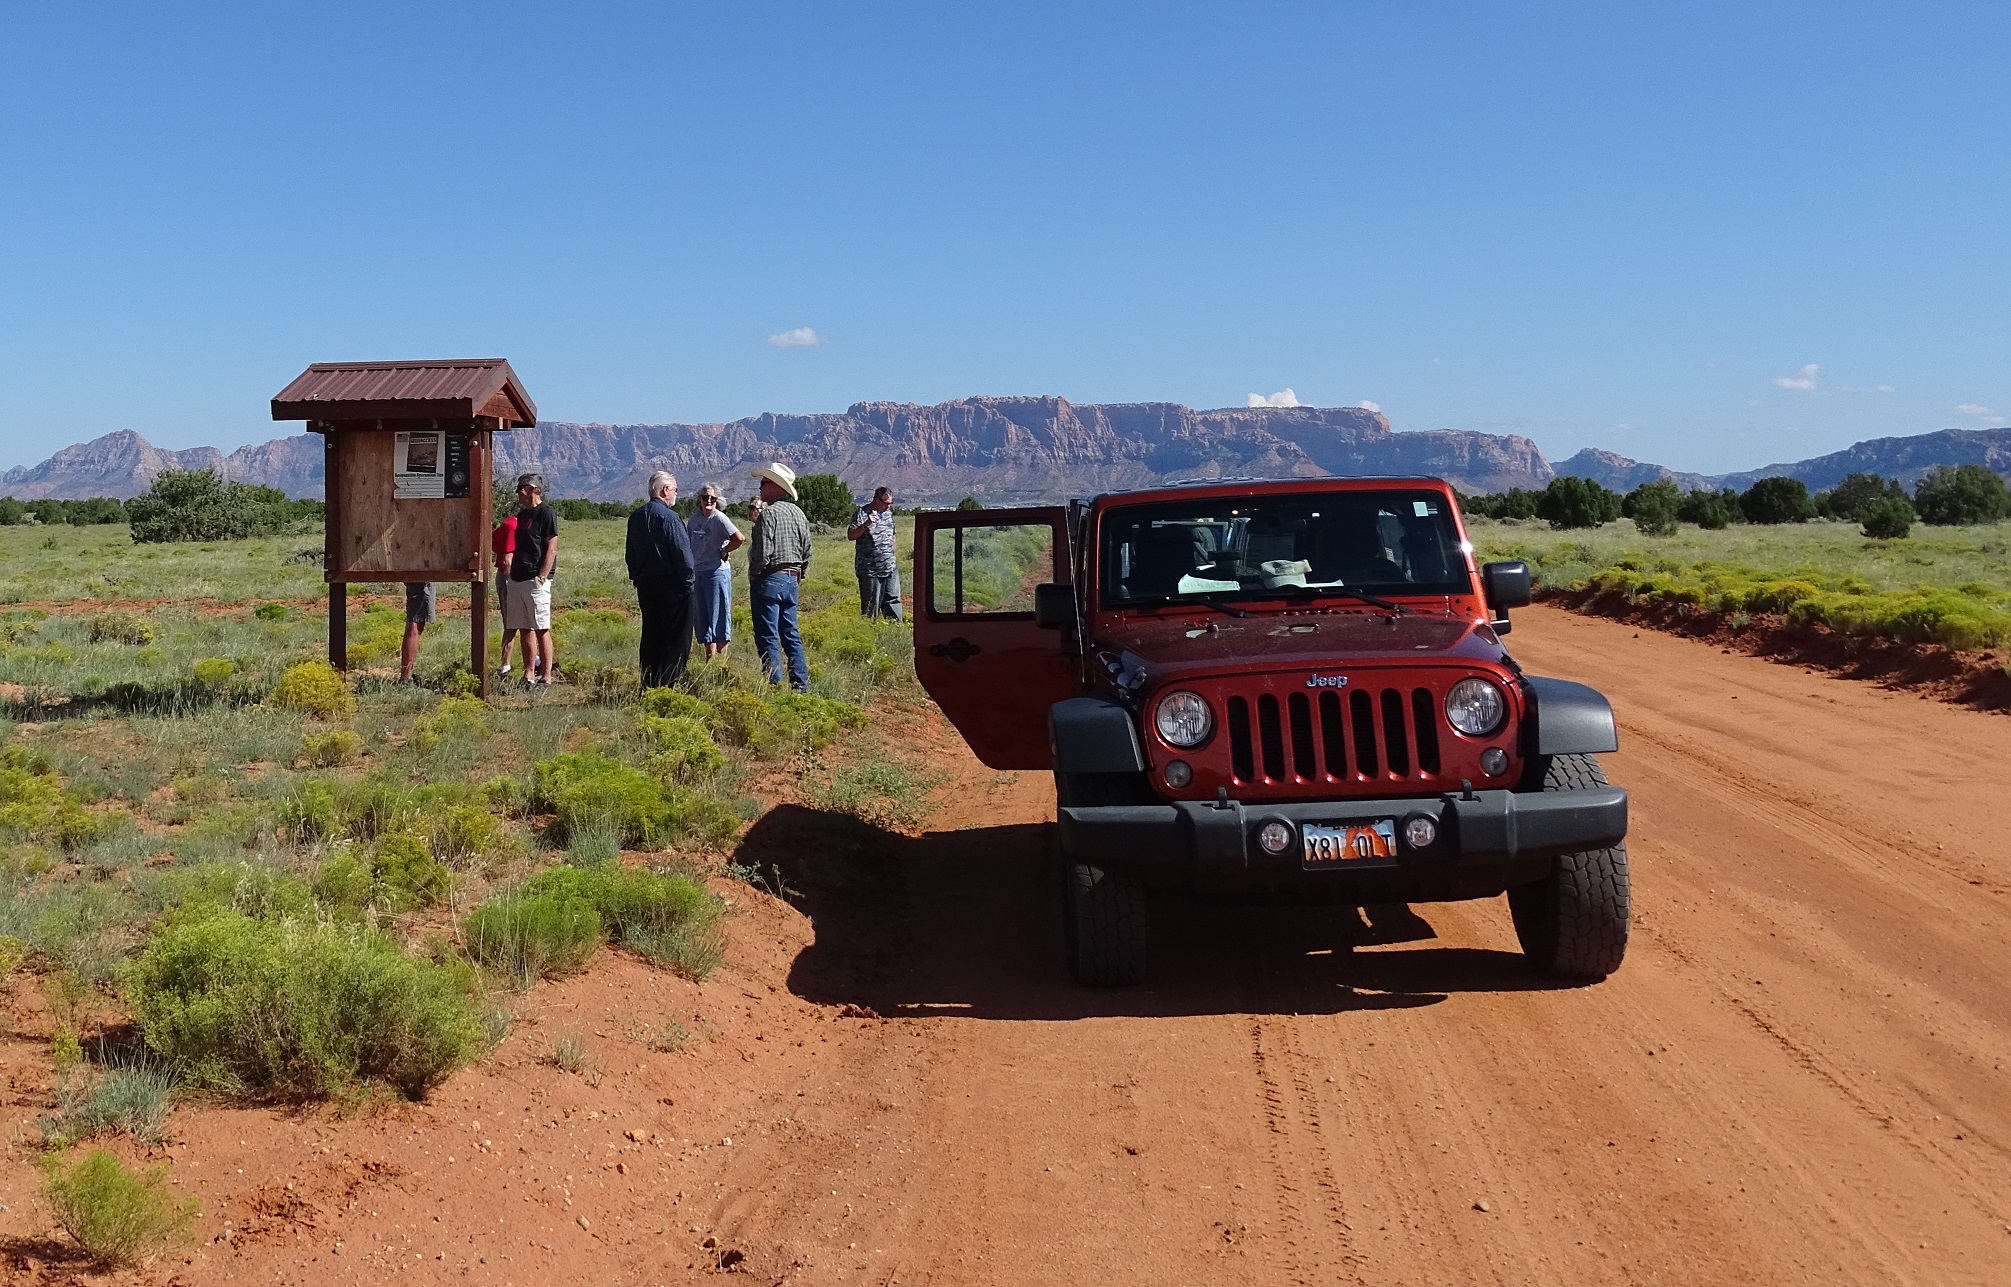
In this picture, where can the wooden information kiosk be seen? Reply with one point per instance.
(409, 449)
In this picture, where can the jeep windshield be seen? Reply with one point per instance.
(1289, 546)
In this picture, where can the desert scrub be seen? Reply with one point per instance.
(315, 687)
(335, 747)
(466, 717)
(244, 1004)
(118, 1216)
(1971, 615)
(121, 627)
(133, 1097)
(375, 635)
(785, 722)
(552, 923)
(213, 672)
(34, 805)
(407, 874)
(585, 789)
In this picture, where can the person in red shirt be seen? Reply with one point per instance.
(504, 542)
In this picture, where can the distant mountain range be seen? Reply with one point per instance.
(1002, 450)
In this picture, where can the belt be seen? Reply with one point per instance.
(793, 569)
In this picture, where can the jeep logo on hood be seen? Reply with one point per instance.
(1326, 681)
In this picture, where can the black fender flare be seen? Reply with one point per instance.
(1093, 735)
(1567, 719)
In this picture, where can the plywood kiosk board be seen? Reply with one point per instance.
(409, 451)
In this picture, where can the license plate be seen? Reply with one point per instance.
(1355, 842)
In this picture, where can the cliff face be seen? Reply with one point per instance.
(1002, 450)
(119, 464)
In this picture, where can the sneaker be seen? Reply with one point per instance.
(503, 671)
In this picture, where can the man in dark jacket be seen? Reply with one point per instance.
(659, 562)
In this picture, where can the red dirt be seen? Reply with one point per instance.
(1798, 1076)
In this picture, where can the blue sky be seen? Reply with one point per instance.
(1713, 236)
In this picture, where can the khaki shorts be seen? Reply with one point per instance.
(527, 605)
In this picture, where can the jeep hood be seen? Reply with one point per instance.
(1180, 644)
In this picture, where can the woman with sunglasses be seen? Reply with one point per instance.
(713, 537)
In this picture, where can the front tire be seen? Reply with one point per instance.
(1573, 923)
(1103, 916)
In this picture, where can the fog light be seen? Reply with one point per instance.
(1276, 837)
(1419, 832)
(1179, 773)
(1494, 761)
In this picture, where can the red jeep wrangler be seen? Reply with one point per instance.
(1292, 687)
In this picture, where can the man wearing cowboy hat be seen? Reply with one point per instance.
(778, 556)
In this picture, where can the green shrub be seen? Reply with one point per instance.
(528, 937)
(305, 1009)
(778, 725)
(1777, 500)
(118, 1216)
(271, 612)
(1577, 502)
(375, 635)
(407, 873)
(465, 832)
(669, 703)
(196, 505)
(1653, 507)
(213, 672)
(681, 747)
(315, 687)
(1713, 511)
(121, 627)
(825, 498)
(454, 717)
(1889, 518)
(206, 888)
(587, 789)
(337, 746)
(345, 882)
(1853, 498)
(1962, 495)
(34, 805)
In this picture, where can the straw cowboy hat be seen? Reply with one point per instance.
(781, 475)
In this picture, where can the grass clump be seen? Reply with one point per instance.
(121, 627)
(315, 687)
(272, 612)
(335, 747)
(454, 717)
(134, 1098)
(552, 923)
(118, 1216)
(213, 672)
(301, 1009)
(777, 725)
(35, 806)
(530, 936)
(589, 790)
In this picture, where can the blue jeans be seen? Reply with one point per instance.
(773, 598)
(879, 596)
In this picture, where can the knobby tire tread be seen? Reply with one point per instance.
(1573, 923)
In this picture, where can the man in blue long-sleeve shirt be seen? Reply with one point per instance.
(659, 562)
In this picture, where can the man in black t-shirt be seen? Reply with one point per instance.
(527, 604)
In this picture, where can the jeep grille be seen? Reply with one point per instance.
(1356, 735)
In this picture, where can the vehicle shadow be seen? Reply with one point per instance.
(967, 923)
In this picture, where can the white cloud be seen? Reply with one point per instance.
(798, 337)
(1282, 398)
(1366, 405)
(1976, 409)
(1805, 379)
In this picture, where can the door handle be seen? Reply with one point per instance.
(957, 649)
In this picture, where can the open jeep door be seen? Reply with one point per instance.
(977, 649)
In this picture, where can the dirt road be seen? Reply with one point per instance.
(1799, 1076)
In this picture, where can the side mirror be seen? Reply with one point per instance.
(1506, 585)
(1054, 605)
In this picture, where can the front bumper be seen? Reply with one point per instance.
(1487, 841)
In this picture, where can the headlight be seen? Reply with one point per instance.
(1184, 719)
(1475, 707)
